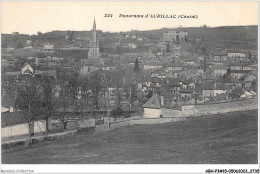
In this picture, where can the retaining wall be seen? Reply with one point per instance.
(195, 110)
(156, 120)
(119, 124)
(23, 129)
(102, 127)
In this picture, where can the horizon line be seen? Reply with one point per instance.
(138, 30)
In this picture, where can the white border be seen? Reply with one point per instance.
(119, 168)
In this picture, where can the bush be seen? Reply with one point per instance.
(117, 112)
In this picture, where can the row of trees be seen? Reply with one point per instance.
(42, 96)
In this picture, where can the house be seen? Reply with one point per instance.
(159, 53)
(109, 64)
(237, 73)
(29, 42)
(41, 59)
(218, 55)
(90, 65)
(28, 48)
(176, 54)
(186, 93)
(240, 67)
(152, 65)
(152, 108)
(48, 47)
(236, 55)
(188, 84)
(130, 45)
(248, 94)
(212, 90)
(173, 35)
(27, 69)
(250, 82)
(219, 71)
(173, 67)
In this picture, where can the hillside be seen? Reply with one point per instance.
(241, 37)
(229, 138)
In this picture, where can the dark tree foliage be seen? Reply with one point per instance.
(228, 72)
(168, 48)
(136, 67)
(177, 38)
(19, 45)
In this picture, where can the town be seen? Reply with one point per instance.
(61, 82)
(78, 76)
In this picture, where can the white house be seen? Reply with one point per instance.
(236, 54)
(152, 65)
(27, 69)
(48, 47)
(152, 108)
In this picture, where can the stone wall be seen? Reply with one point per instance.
(156, 120)
(102, 127)
(196, 110)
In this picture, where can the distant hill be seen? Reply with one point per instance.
(228, 36)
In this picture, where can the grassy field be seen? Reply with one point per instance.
(221, 139)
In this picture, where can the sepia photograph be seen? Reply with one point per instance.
(129, 83)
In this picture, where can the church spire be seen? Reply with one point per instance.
(94, 45)
(94, 25)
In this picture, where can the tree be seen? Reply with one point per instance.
(168, 47)
(48, 99)
(250, 57)
(28, 100)
(228, 72)
(173, 60)
(149, 95)
(19, 45)
(95, 87)
(4, 44)
(136, 67)
(177, 38)
(39, 33)
(185, 39)
(63, 102)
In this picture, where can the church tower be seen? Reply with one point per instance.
(94, 45)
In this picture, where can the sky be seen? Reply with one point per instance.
(31, 17)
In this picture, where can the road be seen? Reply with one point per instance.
(222, 139)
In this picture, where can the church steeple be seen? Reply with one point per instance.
(94, 45)
(94, 25)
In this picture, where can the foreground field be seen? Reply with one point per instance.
(221, 139)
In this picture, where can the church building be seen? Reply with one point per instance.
(93, 62)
